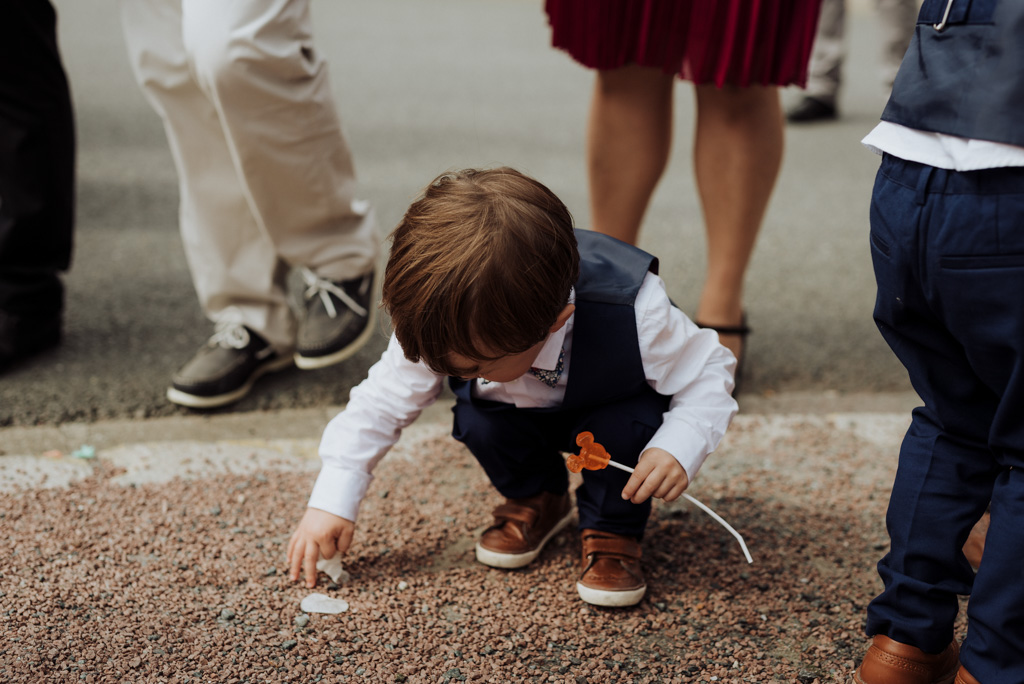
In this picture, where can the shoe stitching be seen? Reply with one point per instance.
(899, 662)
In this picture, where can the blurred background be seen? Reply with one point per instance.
(423, 87)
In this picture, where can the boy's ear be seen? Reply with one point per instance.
(563, 317)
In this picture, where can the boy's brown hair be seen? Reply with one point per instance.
(481, 265)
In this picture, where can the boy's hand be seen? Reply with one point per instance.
(658, 474)
(319, 534)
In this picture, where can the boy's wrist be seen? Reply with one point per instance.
(339, 492)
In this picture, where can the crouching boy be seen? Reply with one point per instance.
(542, 332)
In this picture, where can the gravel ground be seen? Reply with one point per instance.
(139, 572)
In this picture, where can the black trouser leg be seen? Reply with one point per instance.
(37, 176)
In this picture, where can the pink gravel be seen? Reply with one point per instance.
(186, 581)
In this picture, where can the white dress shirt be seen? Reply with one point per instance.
(679, 359)
(940, 150)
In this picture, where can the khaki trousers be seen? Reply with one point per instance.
(266, 177)
(896, 21)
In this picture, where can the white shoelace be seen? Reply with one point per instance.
(229, 334)
(317, 286)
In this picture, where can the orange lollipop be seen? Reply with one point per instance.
(592, 456)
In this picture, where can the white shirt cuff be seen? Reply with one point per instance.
(339, 491)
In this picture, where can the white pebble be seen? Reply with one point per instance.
(321, 603)
(403, 585)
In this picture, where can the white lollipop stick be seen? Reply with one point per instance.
(703, 507)
(724, 524)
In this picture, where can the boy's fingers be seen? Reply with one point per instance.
(662, 491)
(636, 481)
(294, 562)
(644, 493)
(646, 489)
(310, 558)
(327, 548)
(677, 491)
(345, 540)
(670, 489)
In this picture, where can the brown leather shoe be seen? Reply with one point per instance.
(521, 529)
(611, 570)
(974, 547)
(890, 662)
(965, 677)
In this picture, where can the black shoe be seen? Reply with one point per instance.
(31, 304)
(339, 320)
(812, 109)
(25, 336)
(225, 368)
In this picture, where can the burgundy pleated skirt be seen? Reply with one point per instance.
(720, 42)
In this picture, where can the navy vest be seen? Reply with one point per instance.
(605, 362)
(966, 77)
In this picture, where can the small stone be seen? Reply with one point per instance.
(290, 644)
(85, 451)
(301, 621)
(321, 603)
(403, 585)
(227, 614)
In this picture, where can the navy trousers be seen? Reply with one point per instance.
(520, 450)
(37, 175)
(948, 255)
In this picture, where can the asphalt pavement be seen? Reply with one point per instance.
(424, 87)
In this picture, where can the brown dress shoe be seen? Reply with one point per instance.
(965, 677)
(974, 547)
(890, 662)
(611, 570)
(521, 529)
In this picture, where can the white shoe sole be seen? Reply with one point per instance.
(510, 561)
(314, 362)
(195, 401)
(610, 599)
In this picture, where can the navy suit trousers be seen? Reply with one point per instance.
(948, 255)
(520, 450)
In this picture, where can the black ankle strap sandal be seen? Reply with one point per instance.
(742, 330)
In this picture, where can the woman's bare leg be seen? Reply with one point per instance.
(737, 157)
(629, 136)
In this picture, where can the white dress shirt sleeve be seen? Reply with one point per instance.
(689, 364)
(391, 397)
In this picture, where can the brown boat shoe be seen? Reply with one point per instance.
(965, 677)
(521, 529)
(611, 570)
(890, 662)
